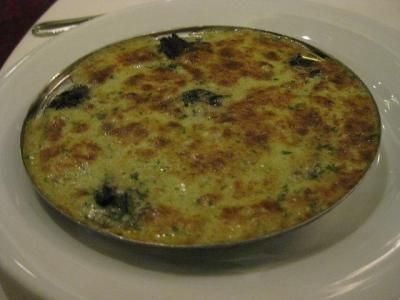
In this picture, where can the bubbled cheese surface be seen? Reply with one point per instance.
(277, 134)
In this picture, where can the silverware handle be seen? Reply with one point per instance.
(55, 27)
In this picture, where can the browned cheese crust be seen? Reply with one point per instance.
(220, 136)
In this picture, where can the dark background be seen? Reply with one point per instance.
(16, 18)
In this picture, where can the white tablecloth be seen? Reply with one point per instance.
(385, 12)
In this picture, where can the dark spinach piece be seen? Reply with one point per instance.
(316, 172)
(70, 98)
(126, 206)
(201, 95)
(106, 195)
(173, 46)
(283, 193)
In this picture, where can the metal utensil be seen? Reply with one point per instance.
(54, 27)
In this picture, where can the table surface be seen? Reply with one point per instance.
(15, 19)
(385, 12)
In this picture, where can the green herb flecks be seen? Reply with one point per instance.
(315, 172)
(296, 106)
(314, 208)
(318, 171)
(134, 176)
(332, 168)
(326, 147)
(286, 152)
(283, 193)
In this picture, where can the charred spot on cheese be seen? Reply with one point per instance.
(173, 46)
(201, 95)
(227, 135)
(70, 98)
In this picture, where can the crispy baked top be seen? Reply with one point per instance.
(219, 136)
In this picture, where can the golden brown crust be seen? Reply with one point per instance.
(232, 135)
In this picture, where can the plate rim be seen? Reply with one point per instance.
(20, 66)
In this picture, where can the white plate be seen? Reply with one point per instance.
(351, 253)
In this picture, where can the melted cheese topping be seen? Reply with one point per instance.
(243, 134)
